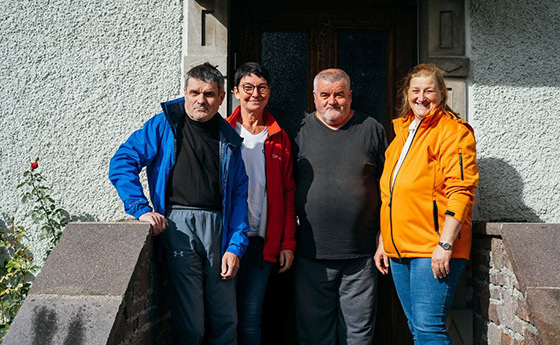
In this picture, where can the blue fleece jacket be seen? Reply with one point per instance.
(155, 147)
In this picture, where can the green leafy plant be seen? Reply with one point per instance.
(51, 218)
(18, 272)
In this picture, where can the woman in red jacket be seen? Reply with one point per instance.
(427, 193)
(268, 160)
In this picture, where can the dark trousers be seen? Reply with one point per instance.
(198, 295)
(251, 280)
(335, 299)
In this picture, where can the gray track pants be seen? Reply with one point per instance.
(335, 299)
(198, 295)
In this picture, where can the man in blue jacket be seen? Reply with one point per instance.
(198, 189)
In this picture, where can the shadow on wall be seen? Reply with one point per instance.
(86, 217)
(218, 12)
(5, 219)
(6, 222)
(500, 194)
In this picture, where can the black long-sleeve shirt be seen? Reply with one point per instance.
(195, 177)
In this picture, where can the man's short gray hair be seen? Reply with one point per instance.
(331, 75)
(206, 72)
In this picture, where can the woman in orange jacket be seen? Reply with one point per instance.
(427, 193)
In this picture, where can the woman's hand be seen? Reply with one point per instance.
(440, 262)
(381, 259)
(285, 260)
(440, 256)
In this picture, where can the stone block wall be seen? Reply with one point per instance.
(144, 318)
(103, 285)
(501, 313)
(516, 283)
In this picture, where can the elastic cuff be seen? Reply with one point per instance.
(457, 210)
(288, 246)
(141, 211)
(234, 250)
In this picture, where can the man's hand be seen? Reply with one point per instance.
(156, 220)
(230, 265)
(286, 259)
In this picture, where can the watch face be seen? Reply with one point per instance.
(445, 246)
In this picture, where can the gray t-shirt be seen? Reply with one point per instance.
(337, 190)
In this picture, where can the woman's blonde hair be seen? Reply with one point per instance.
(422, 70)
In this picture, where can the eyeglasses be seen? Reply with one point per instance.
(262, 89)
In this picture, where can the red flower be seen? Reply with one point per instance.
(34, 165)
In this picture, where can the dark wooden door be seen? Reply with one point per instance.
(375, 43)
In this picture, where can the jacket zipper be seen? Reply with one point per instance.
(224, 157)
(391, 213)
(461, 164)
(392, 188)
(223, 181)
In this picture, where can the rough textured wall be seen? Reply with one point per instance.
(515, 108)
(501, 314)
(78, 76)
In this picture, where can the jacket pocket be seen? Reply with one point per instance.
(436, 217)
(461, 164)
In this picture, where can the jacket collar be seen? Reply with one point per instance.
(175, 113)
(401, 124)
(269, 120)
(228, 132)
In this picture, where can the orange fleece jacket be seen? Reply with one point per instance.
(437, 178)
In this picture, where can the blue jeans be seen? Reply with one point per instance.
(426, 300)
(251, 286)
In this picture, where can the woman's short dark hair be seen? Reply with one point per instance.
(251, 68)
(206, 72)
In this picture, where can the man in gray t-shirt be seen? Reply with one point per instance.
(340, 156)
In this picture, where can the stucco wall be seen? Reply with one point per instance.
(78, 76)
(514, 107)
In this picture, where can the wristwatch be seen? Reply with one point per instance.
(445, 245)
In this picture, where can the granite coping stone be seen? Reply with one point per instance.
(532, 249)
(545, 308)
(490, 229)
(93, 259)
(52, 320)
